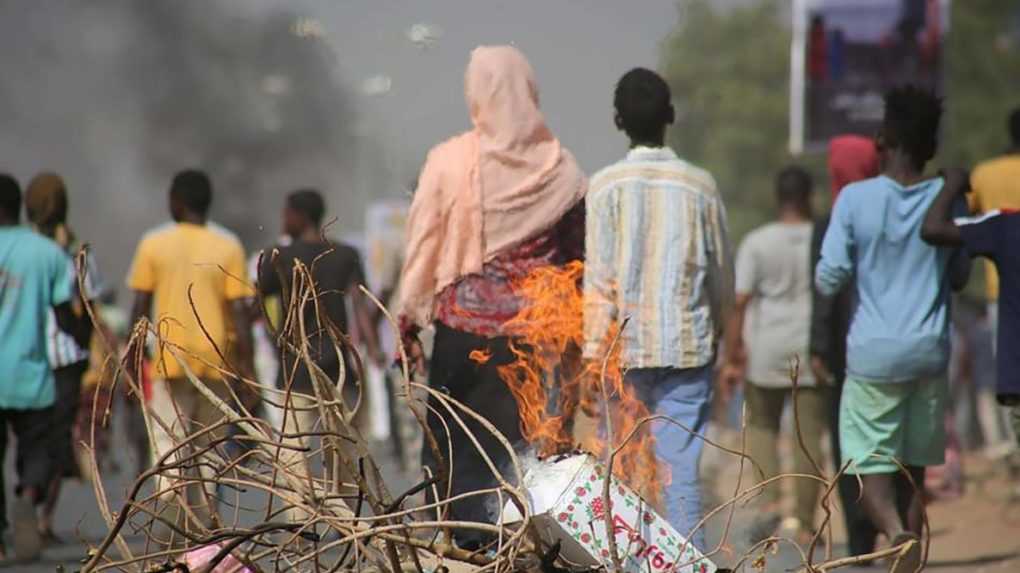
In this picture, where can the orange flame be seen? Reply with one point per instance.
(551, 382)
(480, 356)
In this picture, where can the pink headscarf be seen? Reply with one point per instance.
(489, 189)
(852, 158)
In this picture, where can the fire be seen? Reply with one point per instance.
(480, 356)
(551, 383)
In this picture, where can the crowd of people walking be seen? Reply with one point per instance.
(846, 317)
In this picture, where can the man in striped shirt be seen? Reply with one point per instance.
(657, 252)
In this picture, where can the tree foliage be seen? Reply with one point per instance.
(983, 78)
(729, 69)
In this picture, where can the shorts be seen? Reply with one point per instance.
(885, 421)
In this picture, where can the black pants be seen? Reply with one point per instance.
(479, 387)
(65, 414)
(861, 533)
(32, 430)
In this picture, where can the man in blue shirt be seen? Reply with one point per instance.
(891, 414)
(994, 235)
(35, 275)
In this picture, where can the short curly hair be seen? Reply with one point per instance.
(642, 102)
(912, 117)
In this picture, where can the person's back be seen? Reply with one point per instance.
(336, 271)
(900, 324)
(768, 332)
(193, 272)
(28, 264)
(657, 252)
(664, 219)
(335, 268)
(895, 394)
(35, 277)
(996, 183)
(775, 260)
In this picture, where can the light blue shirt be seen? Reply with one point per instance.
(35, 275)
(899, 329)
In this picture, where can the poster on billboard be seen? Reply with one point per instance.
(847, 53)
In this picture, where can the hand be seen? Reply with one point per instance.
(956, 178)
(415, 356)
(730, 378)
(821, 371)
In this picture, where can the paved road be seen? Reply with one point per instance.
(979, 533)
(80, 523)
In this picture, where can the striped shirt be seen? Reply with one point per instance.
(61, 348)
(658, 252)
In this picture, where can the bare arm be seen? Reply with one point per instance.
(244, 346)
(142, 308)
(938, 228)
(722, 274)
(734, 367)
(365, 319)
(735, 351)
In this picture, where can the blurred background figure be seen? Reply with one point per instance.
(94, 422)
(47, 206)
(995, 185)
(187, 268)
(769, 330)
(851, 158)
(337, 274)
(35, 285)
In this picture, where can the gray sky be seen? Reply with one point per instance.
(577, 47)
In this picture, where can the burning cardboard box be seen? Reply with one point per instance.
(568, 507)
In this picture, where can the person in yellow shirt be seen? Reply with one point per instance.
(190, 280)
(995, 186)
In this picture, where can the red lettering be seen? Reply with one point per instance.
(619, 525)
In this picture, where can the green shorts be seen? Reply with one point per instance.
(882, 422)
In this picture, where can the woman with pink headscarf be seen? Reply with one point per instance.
(492, 204)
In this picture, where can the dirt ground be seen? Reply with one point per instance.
(978, 532)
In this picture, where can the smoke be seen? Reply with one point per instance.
(117, 95)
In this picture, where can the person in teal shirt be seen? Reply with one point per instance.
(35, 276)
(894, 397)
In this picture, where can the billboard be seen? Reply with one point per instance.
(847, 53)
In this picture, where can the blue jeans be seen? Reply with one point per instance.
(684, 395)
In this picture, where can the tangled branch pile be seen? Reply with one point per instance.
(243, 495)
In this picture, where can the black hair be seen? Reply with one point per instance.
(309, 203)
(911, 123)
(10, 196)
(793, 187)
(1014, 127)
(642, 102)
(193, 189)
